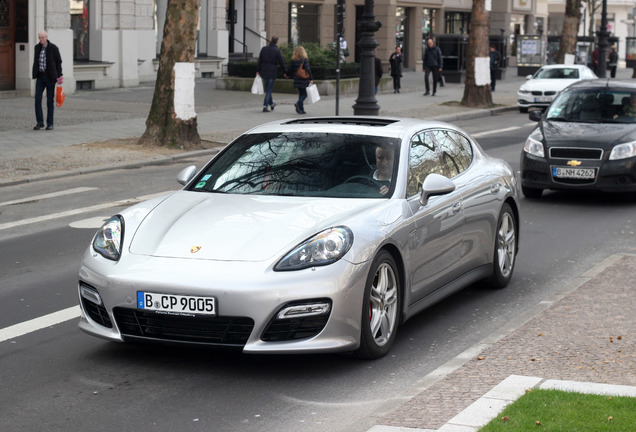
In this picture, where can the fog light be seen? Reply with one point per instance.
(297, 311)
(90, 295)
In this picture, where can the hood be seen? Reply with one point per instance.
(237, 227)
(547, 84)
(597, 135)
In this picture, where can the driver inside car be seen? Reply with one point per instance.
(384, 167)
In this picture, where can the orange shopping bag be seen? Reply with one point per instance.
(59, 96)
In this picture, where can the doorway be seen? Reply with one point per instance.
(7, 44)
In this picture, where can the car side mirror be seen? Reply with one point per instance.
(528, 77)
(435, 184)
(186, 175)
(535, 115)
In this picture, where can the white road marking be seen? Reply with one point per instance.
(480, 134)
(39, 323)
(127, 202)
(90, 223)
(49, 195)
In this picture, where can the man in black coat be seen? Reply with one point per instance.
(268, 61)
(47, 70)
(433, 64)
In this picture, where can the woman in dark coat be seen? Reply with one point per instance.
(299, 57)
(396, 68)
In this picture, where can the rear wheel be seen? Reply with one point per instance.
(529, 192)
(505, 249)
(380, 308)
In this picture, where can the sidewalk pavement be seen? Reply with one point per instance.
(585, 334)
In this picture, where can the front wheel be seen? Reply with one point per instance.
(380, 308)
(505, 249)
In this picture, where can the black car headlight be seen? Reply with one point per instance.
(322, 249)
(533, 144)
(623, 151)
(107, 242)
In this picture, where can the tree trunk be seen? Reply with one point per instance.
(165, 126)
(477, 93)
(570, 29)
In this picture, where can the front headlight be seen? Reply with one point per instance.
(322, 249)
(524, 91)
(107, 241)
(533, 144)
(623, 151)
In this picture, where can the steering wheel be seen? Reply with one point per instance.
(364, 180)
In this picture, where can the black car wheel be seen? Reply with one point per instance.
(505, 249)
(380, 308)
(529, 192)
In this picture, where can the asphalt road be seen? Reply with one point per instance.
(59, 379)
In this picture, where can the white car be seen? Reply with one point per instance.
(306, 235)
(546, 83)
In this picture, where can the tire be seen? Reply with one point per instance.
(531, 193)
(505, 249)
(380, 308)
(523, 110)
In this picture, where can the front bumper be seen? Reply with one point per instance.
(611, 176)
(249, 296)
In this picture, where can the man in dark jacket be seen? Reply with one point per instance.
(433, 64)
(47, 70)
(268, 61)
(495, 63)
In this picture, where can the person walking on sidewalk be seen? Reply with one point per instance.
(613, 62)
(495, 61)
(395, 61)
(301, 72)
(47, 70)
(433, 64)
(268, 61)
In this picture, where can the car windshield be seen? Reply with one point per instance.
(557, 73)
(304, 164)
(600, 105)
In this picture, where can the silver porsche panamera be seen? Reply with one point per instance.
(306, 235)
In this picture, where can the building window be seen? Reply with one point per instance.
(304, 23)
(457, 22)
(79, 25)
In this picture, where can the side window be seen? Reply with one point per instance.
(456, 152)
(423, 160)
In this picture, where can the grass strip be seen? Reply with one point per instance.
(555, 410)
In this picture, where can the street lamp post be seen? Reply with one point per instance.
(367, 104)
(603, 44)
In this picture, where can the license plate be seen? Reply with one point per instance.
(176, 304)
(543, 99)
(573, 173)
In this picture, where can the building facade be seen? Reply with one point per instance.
(115, 43)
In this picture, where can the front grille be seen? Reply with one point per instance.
(574, 181)
(550, 93)
(576, 153)
(227, 331)
(537, 93)
(94, 311)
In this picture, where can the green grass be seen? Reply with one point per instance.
(553, 410)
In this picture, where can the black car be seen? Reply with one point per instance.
(586, 140)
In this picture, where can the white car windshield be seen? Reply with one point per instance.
(594, 106)
(557, 73)
(304, 164)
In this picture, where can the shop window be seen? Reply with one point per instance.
(457, 22)
(304, 23)
(79, 25)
